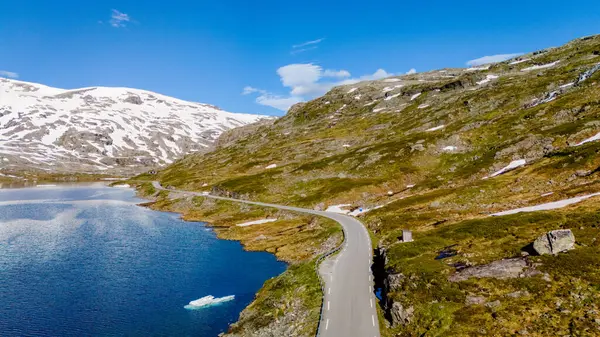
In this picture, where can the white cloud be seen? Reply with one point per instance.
(9, 74)
(250, 90)
(308, 43)
(306, 81)
(491, 59)
(411, 71)
(118, 19)
(278, 102)
(336, 73)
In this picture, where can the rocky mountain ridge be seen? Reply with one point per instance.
(102, 129)
(478, 163)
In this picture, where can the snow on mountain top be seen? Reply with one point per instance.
(102, 128)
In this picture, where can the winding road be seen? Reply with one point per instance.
(349, 304)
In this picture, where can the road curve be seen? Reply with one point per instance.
(349, 303)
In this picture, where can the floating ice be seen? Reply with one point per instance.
(208, 301)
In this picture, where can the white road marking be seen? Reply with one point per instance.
(327, 305)
(371, 300)
(372, 318)
(370, 289)
(327, 324)
(329, 291)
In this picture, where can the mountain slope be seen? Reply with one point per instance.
(438, 153)
(101, 129)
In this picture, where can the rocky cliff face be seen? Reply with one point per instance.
(100, 129)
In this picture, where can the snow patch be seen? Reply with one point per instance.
(591, 139)
(413, 97)
(487, 79)
(338, 209)
(548, 206)
(439, 127)
(423, 106)
(272, 166)
(478, 68)
(390, 80)
(449, 148)
(519, 61)
(256, 222)
(352, 90)
(542, 66)
(511, 166)
(393, 96)
(378, 109)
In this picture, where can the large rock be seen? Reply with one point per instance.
(554, 242)
(502, 269)
(401, 316)
(393, 282)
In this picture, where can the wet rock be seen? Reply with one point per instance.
(554, 242)
(503, 269)
(401, 316)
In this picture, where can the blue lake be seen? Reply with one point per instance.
(86, 261)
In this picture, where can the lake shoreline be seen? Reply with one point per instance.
(223, 217)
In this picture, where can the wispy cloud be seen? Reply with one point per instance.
(306, 81)
(118, 19)
(492, 59)
(9, 74)
(411, 71)
(302, 50)
(306, 46)
(308, 43)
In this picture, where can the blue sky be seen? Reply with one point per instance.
(254, 56)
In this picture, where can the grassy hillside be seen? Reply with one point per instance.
(425, 147)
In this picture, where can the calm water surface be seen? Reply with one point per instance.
(86, 261)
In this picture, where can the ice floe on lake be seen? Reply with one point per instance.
(207, 301)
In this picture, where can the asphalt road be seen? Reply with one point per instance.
(349, 306)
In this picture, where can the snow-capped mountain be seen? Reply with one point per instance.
(102, 129)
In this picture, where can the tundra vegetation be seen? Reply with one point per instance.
(430, 161)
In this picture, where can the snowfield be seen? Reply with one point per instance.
(101, 128)
(547, 206)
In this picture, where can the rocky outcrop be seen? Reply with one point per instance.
(400, 315)
(503, 269)
(554, 242)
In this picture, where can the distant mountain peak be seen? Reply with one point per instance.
(103, 129)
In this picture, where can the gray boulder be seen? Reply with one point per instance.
(401, 316)
(393, 282)
(554, 242)
(502, 269)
